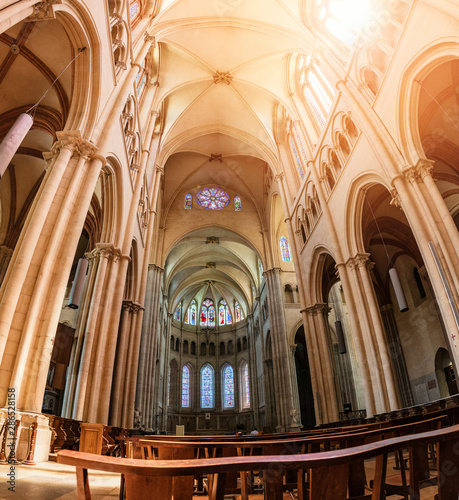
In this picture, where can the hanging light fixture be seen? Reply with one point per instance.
(393, 273)
(78, 284)
(13, 139)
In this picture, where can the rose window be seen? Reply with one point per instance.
(213, 198)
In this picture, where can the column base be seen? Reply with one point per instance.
(295, 428)
(42, 436)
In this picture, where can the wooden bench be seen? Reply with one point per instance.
(328, 471)
(164, 449)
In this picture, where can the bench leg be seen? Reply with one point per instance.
(83, 491)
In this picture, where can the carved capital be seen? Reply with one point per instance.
(279, 177)
(42, 11)
(424, 167)
(395, 198)
(150, 39)
(360, 260)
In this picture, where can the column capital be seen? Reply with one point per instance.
(272, 272)
(395, 201)
(150, 39)
(360, 260)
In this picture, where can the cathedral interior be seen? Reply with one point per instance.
(239, 214)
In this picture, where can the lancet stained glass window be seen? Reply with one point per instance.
(228, 387)
(134, 9)
(224, 315)
(212, 198)
(185, 386)
(285, 249)
(188, 202)
(207, 386)
(207, 317)
(178, 312)
(237, 204)
(168, 384)
(190, 317)
(245, 385)
(238, 312)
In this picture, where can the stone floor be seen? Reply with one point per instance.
(53, 481)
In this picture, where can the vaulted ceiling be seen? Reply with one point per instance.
(223, 87)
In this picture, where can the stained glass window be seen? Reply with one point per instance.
(229, 319)
(237, 203)
(207, 317)
(211, 316)
(238, 311)
(224, 315)
(190, 317)
(245, 385)
(185, 386)
(228, 387)
(285, 249)
(212, 198)
(260, 269)
(207, 386)
(168, 385)
(188, 201)
(178, 312)
(134, 10)
(203, 318)
(221, 314)
(296, 157)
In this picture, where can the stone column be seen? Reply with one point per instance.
(150, 337)
(321, 358)
(397, 356)
(282, 375)
(389, 397)
(119, 382)
(295, 412)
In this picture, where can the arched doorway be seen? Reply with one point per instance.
(303, 377)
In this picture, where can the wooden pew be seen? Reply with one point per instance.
(329, 471)
(164, 449)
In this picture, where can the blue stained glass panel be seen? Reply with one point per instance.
(247, 385)
(188, 202)
(185, 387)
(178, 312)
(207, 387)
(228, 386)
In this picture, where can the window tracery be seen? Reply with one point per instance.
(212, 198)
(316, 89)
